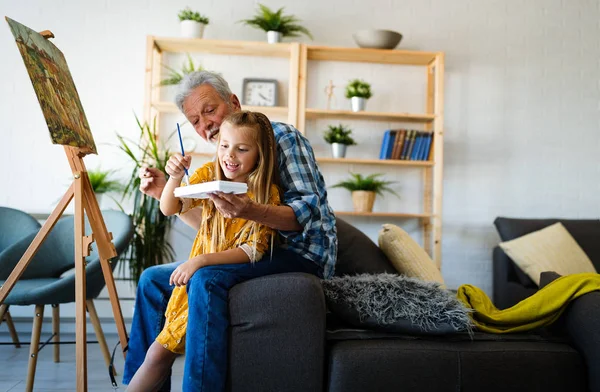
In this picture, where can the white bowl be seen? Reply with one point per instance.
(378, 39)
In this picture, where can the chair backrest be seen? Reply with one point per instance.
(14, 225)
(56, 254)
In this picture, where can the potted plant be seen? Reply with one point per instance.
(102, 183)
(339, 138)
(149, 245)
(192, 23)
(358, 91)
(364, 190)
(175, 76)
(276, 24)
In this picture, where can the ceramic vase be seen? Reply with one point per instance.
(358, 104)
(192, 29)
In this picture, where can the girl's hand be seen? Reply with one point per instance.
(182, 274)
(177, 164)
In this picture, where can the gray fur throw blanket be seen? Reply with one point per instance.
(396, 303)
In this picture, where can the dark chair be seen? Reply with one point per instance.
(14, 225)
(49, 278)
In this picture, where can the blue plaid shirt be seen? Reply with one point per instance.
(304, 191)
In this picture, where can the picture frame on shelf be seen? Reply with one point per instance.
(260, 92)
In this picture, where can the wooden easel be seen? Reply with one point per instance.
(85, 202)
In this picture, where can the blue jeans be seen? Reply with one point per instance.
(205, 367)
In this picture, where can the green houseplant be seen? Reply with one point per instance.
(364, 189)
(276, 24)
(192, 23)
(358, 91)
(149, 245)
(102, 182)
(175, 76)
(339, 138)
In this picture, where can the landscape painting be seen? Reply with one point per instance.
(54, 88)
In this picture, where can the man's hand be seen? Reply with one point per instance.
(182, 274)
(152, 181)
(231, 205)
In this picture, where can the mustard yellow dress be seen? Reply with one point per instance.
(172, 337)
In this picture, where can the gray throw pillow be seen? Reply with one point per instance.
(396, 303)
(357, 254)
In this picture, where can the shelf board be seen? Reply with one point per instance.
(384, 214)
(385, 56)
(381, 116)
(170, 107)
(245, 48)
(389, 162)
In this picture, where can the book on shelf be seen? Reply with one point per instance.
(387, 144)
(400, 137)
(406, 144)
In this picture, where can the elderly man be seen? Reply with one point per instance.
(304, 220)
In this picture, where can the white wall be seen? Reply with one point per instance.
(522, 101)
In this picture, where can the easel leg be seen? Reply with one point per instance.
(35, 345)
(5, 314)
(105, 247)
(80, 289)
(99, 333)
(56, 331)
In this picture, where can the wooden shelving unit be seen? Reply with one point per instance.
(157, 46)
(384, 214)
(384, 162)
(297, 112)
(379, 116)
(432, 120)
(170, 107)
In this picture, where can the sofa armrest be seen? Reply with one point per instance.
(582, 320)
(508, 290)
(277, 334)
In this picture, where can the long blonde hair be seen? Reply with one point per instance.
(265, 174)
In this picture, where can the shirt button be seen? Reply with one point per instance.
(165, 345)
(178, 340)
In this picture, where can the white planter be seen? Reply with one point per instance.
(192, 29)
(358, 104)
(338, 150)
(273, 37)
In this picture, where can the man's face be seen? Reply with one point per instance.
(205, 109)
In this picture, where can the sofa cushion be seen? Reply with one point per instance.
(357, 254)
(396, 303)
(585, 231)
(416, 365)
(408, 257)
(548, 249)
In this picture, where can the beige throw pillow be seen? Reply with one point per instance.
(549, 249)
(406, 255)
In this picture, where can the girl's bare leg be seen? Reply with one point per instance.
(153, 371)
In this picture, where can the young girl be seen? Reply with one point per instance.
(246, 153)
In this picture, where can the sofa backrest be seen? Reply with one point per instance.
(357, 254)
(585, 231)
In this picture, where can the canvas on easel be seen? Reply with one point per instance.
(68, 126)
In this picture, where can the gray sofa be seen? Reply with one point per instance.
(283, 339)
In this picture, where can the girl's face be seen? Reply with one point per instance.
(237, 152)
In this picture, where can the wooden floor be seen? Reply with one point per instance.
(52, 376)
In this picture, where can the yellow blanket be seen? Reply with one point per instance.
(542, 308)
